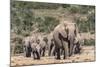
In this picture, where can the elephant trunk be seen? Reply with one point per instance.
(71, 45)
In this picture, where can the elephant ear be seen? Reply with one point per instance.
(76, 30)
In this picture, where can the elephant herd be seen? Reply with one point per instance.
(63, 40)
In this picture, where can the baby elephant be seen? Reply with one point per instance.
(78, 44)
(77, 47)
(36, 50)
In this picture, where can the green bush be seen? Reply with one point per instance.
(18, 49)
(74, 9)
(86, 25)
(34, 5)
(46, 25)
(65, 5)
(89, 42)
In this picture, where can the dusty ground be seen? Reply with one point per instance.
(88, 54)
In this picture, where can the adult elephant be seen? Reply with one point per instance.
(64, 36)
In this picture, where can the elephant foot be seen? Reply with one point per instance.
(58, 58)
(70, 55)
(65, 57)
(28, 55)
(38, 58)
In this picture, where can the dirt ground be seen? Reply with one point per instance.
(88, 54)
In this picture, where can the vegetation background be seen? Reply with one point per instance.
(29, 17)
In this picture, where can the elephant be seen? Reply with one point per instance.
(77, 48)
(79, 41)
(27, 47)
(27, 42)
(43, 44)
(36, 50)
(32, 46)
(64, 36)
(50, 43)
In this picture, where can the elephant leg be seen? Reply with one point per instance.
(38, 55)
(53, 51)
(71, 49)
(27, 53)
(24, 54)
(34, 56)
(43, 51)
(62, 51)
(65, 44)
(74, 50)
(50, 50)
(58, 53)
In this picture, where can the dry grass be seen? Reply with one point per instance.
(88, 54)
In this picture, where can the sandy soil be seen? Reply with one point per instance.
(88, 54)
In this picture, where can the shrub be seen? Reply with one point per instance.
(74, 9)
(47, 24)
(86, 25)
(89, 42)
(18, 49)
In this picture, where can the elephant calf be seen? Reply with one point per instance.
(36, 50)
(50, 44)
(31, 46)
(27, 47)
(78, 44)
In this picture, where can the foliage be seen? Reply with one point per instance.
(24, 19)
(34, 5)
(47, 25)
(18, 49)
(89, 42)
(87, 25)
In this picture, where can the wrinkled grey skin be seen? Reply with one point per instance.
(42, 44)
(78, 44)
(76, 48)
(51, 46)
(27, 47)
(32, 46)
(36, 50)
(64, 36)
